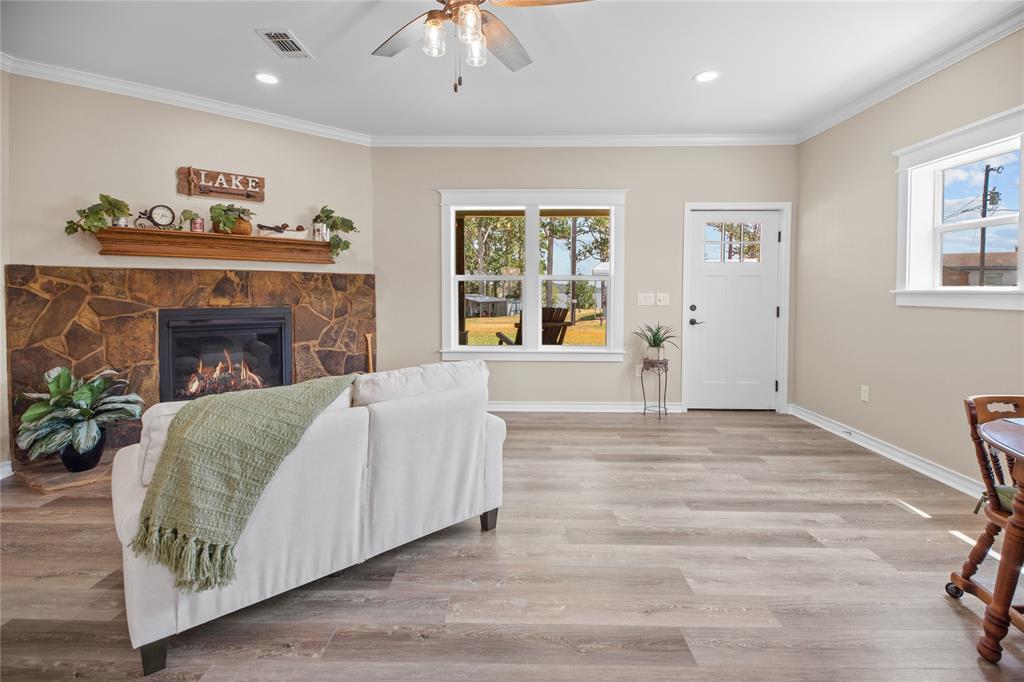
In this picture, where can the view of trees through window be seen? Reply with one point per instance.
(574, 248)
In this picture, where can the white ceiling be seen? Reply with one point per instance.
(609, 67)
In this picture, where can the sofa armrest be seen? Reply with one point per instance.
(494, 441)
(127, 492)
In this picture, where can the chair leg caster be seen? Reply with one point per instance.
(489, 520)
(953, 591)
(154, 656)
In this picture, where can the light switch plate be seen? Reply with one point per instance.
(645, 299)
(662, 299)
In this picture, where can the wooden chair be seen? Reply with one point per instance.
(999, 489)
(553, 328)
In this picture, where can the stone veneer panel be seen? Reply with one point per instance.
(91, 318)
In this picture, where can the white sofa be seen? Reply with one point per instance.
(396, 457)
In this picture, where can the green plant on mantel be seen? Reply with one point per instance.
(226, 215)
(74, 411)
(187, 216)
(99, 216)
(336, 226)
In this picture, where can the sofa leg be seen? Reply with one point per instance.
(154, 656)
(488, 520)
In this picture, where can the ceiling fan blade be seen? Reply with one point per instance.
(405, 37)
(503, 44)
(532, 3)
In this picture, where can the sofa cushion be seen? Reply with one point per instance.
(413, 381)
(157, 419)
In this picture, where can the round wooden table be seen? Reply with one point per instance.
(1006, 435)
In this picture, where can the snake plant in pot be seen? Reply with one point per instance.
(72, 416)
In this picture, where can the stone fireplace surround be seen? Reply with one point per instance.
(90, 318)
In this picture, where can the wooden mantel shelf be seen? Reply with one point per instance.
(134, 241)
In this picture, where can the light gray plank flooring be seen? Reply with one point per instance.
(708, 546)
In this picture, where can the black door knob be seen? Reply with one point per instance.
(693, 322)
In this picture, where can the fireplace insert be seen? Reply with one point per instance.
(216, 350)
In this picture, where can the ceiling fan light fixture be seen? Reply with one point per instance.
(476, 52)
(706, 76)
(470, 23)
(433, 37)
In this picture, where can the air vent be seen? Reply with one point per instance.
(284, 44)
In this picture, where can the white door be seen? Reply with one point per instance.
(729, 309)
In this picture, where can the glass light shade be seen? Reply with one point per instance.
(476, 52)
(470, 23)
(433, 38)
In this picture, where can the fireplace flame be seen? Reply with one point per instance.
(225, 377)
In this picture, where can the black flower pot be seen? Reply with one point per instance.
(83, 461)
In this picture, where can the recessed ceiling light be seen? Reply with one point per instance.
(706, 76)
(268, 78)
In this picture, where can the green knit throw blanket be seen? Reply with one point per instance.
(221, 452)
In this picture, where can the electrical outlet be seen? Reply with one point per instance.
(662, 299)
(638, 368)
(865, 394)
(645, 299)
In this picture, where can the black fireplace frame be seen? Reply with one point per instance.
(232, 319)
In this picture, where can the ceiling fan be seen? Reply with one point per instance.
(478, 30)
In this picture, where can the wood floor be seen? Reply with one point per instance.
(707, 546)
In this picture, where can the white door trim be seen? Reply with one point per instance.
(785, 211)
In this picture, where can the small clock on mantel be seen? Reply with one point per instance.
(159, 216)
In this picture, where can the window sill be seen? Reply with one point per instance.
(520, 355)
(977, 298)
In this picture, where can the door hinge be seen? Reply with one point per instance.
(776, 385)
(780, 236)
(777, 311)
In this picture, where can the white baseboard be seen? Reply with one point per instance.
(541, 406)
(954, 479)
(5, 469)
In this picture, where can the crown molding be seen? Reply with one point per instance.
(60, 74)
(961, 50)
(523, 141)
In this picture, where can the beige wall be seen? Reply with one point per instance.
(407, 252)
(69, 144)
(918, 362)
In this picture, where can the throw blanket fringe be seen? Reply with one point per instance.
(220, 454)
(196, 565)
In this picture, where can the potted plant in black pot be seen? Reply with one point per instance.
(72, 417)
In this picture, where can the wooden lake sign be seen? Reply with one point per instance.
(213, 183)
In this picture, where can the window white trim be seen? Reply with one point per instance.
(918, 269)
(532, 201)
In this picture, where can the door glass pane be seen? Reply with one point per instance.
(964, 188)
(732, 242)
(713, 253)
(489, 309)
(980, 256)
(575, 244)
(493, 245)
(576, 313)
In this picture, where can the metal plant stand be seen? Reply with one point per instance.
(659, 368)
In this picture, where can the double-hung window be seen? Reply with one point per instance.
(960, 218)
(532, 275)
